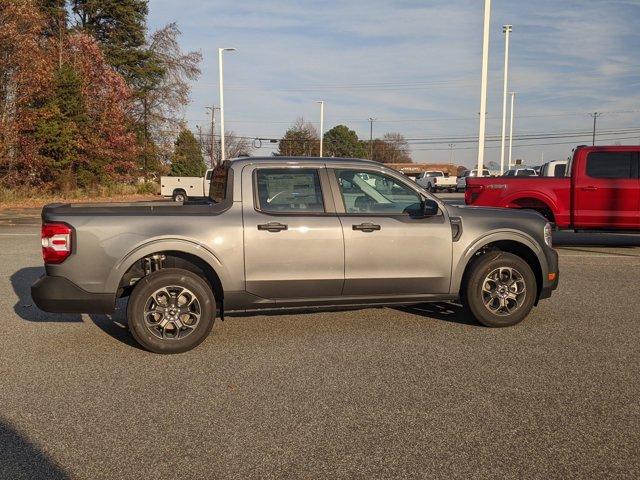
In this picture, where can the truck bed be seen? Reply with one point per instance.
(536, 193)
(159, 208)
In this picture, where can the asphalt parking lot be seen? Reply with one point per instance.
(379, 393)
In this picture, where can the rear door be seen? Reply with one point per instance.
(389, 251)
(607, 193)
(294, 246)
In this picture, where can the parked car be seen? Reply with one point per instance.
(521, 172)
(601, 193)
(557, 168)
(290, 233)
(183, 188)
(461, 183)
(436, 180)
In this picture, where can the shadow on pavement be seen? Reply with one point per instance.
(447, 311)
(20, 459)
(113, 325)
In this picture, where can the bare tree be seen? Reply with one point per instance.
(165, 92)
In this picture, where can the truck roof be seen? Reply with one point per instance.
(301, 160)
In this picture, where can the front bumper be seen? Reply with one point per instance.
(60, 295)
(548, 286)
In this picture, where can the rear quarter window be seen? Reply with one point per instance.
(610, 165)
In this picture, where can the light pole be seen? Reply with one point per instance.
(321, 125)
(513, 95)
(483, 86)
(595, 116)
(506, 29)
(223, 152)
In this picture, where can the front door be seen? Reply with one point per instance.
(606, 191)
(293, 238)
(389, 250)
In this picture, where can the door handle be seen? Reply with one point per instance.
(367, 227)
(589, 188)
(273, 227)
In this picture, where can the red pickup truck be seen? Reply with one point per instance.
(602, 191)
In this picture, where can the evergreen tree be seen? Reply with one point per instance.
(120, 27)
(340, 141)
(187, 158)
(60, 128)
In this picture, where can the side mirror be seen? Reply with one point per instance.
(430, 208)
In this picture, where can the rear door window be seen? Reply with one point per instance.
(610, 165)
(218, 183)
(289, 190)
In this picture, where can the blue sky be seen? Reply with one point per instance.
(415, 67)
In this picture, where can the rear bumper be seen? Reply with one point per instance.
(60, 295)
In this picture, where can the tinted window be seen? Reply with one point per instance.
(379, 193)
(218, 184)
(283, 190)
(208, 176)
(609, 165)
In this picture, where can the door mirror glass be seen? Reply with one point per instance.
(430, 208)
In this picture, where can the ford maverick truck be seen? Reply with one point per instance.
(290, 233)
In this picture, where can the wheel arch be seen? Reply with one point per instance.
(534, 201)
(516, 243)
(178, 253)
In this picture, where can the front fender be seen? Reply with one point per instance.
(162, 245)
(495, 236)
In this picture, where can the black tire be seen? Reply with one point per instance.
(180, 196)
(477, 281)
(157, 339)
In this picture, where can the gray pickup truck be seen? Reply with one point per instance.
(290, 233)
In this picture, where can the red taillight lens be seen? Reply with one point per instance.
(471, 193)
(56, 242)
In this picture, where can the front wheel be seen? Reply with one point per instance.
(171, 311)
(500, 289)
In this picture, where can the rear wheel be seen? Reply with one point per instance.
(171, 311)
(500, 289)
(179, 196)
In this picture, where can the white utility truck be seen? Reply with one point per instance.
(183, 188)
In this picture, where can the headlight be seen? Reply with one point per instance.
(548, 232)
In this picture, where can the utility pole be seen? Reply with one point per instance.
(213, 109)
(371, 120)
(483, 85)
(595, 116)
(513, 95)
(451, 154)
(506, 29)
(223, 154)
(321, 125)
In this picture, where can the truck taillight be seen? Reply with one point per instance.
(56, 242)
(471, 193)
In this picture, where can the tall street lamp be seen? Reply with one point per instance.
(513, 96)
(321, 124)
(483, 85)
(506, 29)
(223, 152)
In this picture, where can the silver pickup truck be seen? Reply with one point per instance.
(290, 233)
